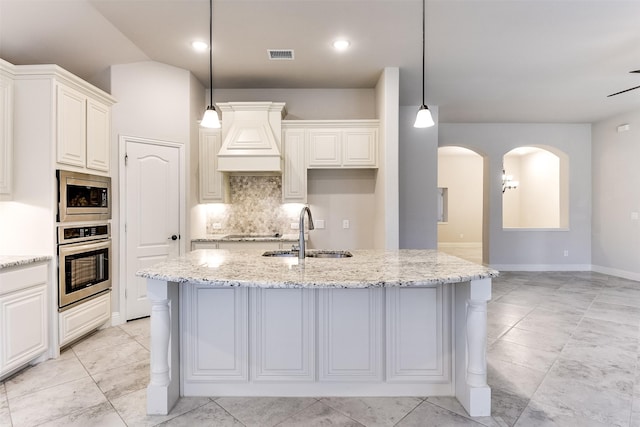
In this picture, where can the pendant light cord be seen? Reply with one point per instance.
(211, 52)
(423, 49)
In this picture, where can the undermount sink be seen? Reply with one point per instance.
(309, 254)
(253, 236)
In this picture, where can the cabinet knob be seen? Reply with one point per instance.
(174, 237)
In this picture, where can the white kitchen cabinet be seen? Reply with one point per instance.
(81, 319)
(24, 316)
(349, 147)
(83, 131)
(6, 135)
(294, 175)
(214, 185)
(350, 334)
(238, 245)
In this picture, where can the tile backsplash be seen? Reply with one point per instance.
(256, 207)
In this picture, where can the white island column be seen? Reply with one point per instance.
(163, 390)
(472, 390)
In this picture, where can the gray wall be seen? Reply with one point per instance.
(616, 197)
(533, 249)
(418, 162)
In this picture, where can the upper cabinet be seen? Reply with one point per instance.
(83, 131)
(6, 134)
(294, 174)
(343, 144)
(213, 184)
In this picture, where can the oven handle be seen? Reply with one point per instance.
(76, 248)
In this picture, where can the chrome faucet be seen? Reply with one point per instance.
(301, 247)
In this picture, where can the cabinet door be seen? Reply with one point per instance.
(6, 135)
(71, 127)
(324, 148)
(213, 185)
(360, 147)
(23, 335)
(294, 176)
(98, 136)
(203, 245)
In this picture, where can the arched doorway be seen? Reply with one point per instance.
(460, 202)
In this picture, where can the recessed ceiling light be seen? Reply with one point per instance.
(341, 44)
(200, 46)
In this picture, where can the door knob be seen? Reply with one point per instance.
(173, 237)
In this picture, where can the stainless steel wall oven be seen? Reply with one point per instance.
(83, 197)
(84, 263)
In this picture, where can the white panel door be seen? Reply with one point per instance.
(152, 177)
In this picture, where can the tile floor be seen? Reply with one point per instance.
(563, 351)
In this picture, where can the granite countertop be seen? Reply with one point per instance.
(239, 237)
(367, 268)
(7, 261)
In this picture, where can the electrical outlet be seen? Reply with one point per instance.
(216, 226)
(566, 252)
(345, 223)
(319, 224)
(295, 226)
(634, 216)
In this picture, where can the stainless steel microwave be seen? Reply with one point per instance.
(83, 197)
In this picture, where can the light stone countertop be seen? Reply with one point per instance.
(8, 261)
(367, 268)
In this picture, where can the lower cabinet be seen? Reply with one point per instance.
(83, 318)
(260, 337)
(267, 246)
(23, 316)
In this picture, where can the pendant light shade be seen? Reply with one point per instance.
(423, 118)
(210, 118)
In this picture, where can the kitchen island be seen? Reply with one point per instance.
(378, 323)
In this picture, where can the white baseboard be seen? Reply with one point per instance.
(615, 272)
(116, 319)
(541, 267)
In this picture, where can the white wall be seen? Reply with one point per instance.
(418, 164)
(309, 104)
(462, 176)
(154, 101)
(532, 249)
(616, 197)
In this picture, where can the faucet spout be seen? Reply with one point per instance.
(301, 244)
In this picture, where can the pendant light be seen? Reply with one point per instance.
(423, 118)
(210, 118)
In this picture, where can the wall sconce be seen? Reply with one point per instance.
(507, 182)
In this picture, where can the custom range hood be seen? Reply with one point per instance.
(251, 134)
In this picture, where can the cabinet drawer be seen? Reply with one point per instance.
(22, 278)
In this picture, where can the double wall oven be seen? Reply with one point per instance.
(84, 237)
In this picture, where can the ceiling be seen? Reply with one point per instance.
(487, 61)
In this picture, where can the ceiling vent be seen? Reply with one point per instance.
(280, 54)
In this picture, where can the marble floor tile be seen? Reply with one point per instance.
(596, 354)
(318, 415)
(496, 330)
(119, 355)
(132, 408)
(502, 318)
(508, 309)
(373, 411)
(581, 400)
(55, 402)
(635, 411)
(428, 414)
(123, 380)
(263, 411)
(622, 296)
(210, 414)
(103, 339)
(538, 415)
(540, 360)
(138, 328)
(5, 415)
(47, 374)
(606, 334)
(507, 407)
(611, 378)
(102, 415)
(515, 379)
(614, 313)
(552, 341)
(452, 404)
(543, 320)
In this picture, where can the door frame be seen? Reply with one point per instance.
(122, 211)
